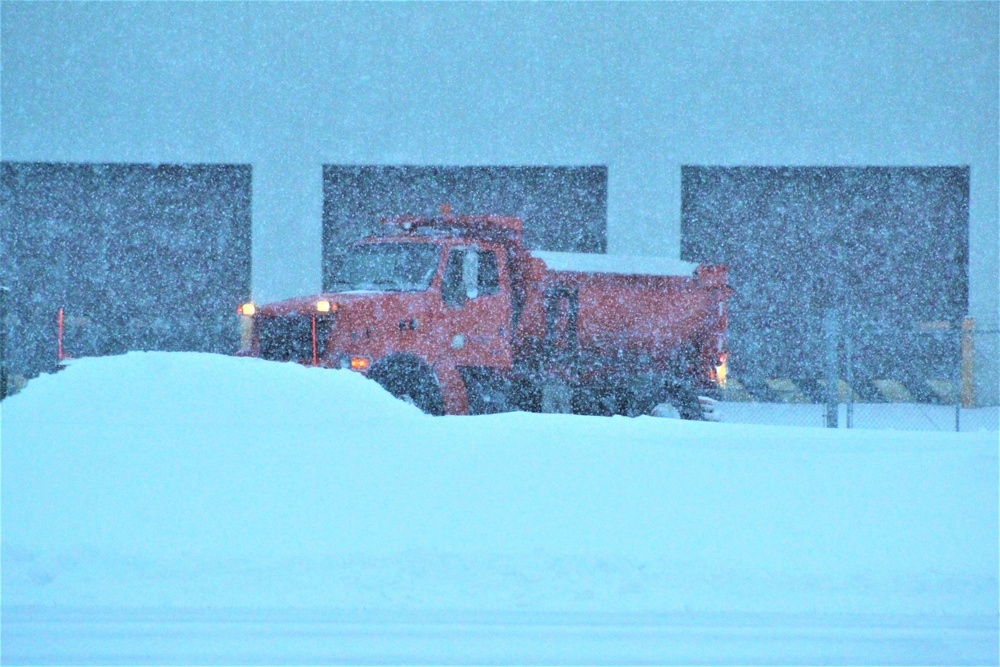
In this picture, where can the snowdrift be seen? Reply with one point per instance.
(195, 480)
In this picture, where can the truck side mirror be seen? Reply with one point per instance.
(470, 273)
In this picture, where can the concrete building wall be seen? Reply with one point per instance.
(640, 87)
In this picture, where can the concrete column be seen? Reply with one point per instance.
(287, 228)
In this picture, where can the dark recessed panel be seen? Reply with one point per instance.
(139, 257)
(886, 246)
(563, 208)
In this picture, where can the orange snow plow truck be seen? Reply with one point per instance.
(456, 316)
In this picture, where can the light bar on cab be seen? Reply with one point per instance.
(246, 309)
(324, 306)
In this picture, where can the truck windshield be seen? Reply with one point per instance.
(386, 267)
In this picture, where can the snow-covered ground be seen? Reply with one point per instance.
(191, 508)
(895, 416)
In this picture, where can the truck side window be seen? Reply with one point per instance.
(487, 277)
(489, 273)
(452, 292)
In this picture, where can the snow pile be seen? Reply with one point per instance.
(181, 479)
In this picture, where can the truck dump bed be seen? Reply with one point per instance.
(649, 307)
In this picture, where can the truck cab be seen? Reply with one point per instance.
(412, 309)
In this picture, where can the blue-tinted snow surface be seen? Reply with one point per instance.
(182, 480)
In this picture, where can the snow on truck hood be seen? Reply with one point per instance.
(620, 264)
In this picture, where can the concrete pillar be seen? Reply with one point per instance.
(287, 228)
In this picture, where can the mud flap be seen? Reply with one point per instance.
(453, 390)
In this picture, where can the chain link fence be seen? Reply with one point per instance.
(938, 376)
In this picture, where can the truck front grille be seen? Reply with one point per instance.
(290, 338)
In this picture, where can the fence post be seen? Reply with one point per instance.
(59, 337)
(956, 375)
(849, 372)
(968, 362)
(831, 330)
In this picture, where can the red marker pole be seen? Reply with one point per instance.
(3, 342)
(60, 337)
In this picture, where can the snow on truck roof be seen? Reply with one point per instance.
(621, 264)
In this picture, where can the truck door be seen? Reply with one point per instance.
(477, 307)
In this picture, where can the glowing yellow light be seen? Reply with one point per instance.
(247, 309)
(323, 306)
(360, 363)
(720, 372)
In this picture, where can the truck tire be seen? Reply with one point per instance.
(599, 399)
(685, 400)
(629, 397)
(411, 380)
(489, 392)
(525, 395)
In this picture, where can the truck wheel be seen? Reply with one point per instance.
(629, 398)
(525, 395)
(410, 380)
(489, 392)
(685, 400)
(597, 399)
